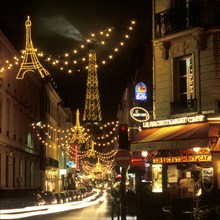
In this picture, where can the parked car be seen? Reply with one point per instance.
(34, 199)
(83, 190)
(71, 195)
(89, 188)
(59, 198)
(77, 194)
(48, 196)
(64, 197)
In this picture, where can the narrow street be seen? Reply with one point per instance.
(95, 209)
(100, 211)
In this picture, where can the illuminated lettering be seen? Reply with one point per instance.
(175, 121)
(180, 159)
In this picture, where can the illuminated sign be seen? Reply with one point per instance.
(174, 121)
(157, 185)
(62, 171)
(140, 92)
(71, 164)
(181, 159)
(139, 114)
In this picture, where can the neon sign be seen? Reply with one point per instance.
(181, 159)
(174, 121)
(71, 164)
(140, 92)
(139, 114)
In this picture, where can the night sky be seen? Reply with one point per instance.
(59, 26)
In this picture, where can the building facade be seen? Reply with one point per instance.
(19, 150)
(181, 137)
(34, 128)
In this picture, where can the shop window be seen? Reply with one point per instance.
(183, 86)
(157, 178)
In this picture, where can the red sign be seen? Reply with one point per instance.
(123, 158)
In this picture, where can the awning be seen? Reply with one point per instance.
(175, 137)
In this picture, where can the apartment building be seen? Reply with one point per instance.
(33, 125)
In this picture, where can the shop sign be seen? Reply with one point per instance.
(71, 164)
(62, 171)
(139, 114)
(182, 159)
(174, 121)
(140, 92)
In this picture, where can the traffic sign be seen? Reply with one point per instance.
(123, 136)
(123, 158)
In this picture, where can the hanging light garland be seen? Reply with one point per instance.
(71, 62)
(52, 137)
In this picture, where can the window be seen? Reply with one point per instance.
(20, 168)
(183, 85)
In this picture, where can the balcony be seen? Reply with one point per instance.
(194, 14)
(180, 107)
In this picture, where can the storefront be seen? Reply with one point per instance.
(179, 161)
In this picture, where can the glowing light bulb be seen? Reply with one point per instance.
(144, 153)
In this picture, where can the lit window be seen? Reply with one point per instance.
(183, 84)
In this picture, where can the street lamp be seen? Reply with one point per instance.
(144, 154)
(196, 149)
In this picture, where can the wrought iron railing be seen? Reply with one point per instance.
(194, 14)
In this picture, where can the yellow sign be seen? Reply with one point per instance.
(182, 159)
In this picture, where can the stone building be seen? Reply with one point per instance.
(33, 125)
(181, 137)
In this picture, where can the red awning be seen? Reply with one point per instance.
(175, 137)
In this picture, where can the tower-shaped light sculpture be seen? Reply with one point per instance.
(30, 61)
(92, 111)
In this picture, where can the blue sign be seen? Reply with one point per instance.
(140, 92)
(71, 164)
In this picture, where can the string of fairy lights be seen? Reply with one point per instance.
(53, 137)
(98, 168)
(71, 61)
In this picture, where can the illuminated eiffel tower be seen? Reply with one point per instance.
(30, 61)
(78, 135)
(92, 151)
(92, 111)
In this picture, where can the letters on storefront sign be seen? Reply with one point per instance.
(181, 159)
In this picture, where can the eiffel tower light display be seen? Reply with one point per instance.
(30, 61)
(78, 135)
(92, 111)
